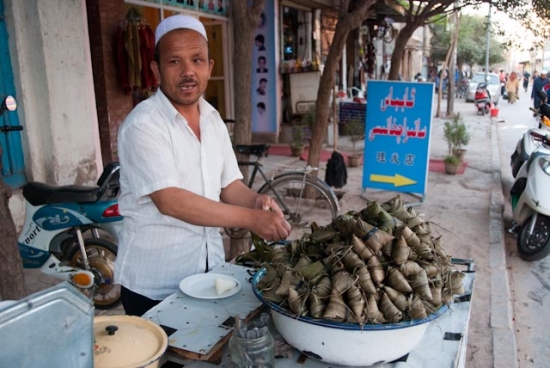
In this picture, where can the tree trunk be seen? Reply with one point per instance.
(348, 20)
(246, 18)
(12, 279)
(403, 37)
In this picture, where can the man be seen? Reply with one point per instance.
(260, 106)
(261, 65)
(526, 77)
(261, 90)
(180, 181)
(260, 42)
(538, 85)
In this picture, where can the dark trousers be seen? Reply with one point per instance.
(136, 304)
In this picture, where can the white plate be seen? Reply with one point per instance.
(203, 286)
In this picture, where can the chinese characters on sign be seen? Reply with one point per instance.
(397, 136)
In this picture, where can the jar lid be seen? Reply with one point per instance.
(127, 341)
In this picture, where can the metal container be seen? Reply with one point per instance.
(53, 327)
(128, 342)
(344, 343)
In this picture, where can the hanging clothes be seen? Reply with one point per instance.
(147, 48)
(122, 60)
(135, 50)
(132, 46)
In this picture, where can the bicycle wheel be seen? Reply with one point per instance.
(302, 201)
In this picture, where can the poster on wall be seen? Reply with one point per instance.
(213, 6)
(207, 6)
(397, 136)
(264, 91)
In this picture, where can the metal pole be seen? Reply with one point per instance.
(487, 46)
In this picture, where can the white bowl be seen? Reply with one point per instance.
(344, 343)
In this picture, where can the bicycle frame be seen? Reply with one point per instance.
(258, 169)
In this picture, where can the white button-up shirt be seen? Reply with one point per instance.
(157, 149)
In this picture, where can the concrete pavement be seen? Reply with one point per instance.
(466, 211)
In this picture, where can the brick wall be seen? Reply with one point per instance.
(113, 105)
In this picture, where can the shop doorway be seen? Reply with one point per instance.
(216, 93)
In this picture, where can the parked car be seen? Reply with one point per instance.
(493, 86)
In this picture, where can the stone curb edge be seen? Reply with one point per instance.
(504, 339)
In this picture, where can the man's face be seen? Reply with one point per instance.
(261, 63)
(183, 68)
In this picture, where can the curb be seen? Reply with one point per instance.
(504, 338)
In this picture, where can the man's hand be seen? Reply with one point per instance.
(267, 203)
(271, 226)
(274, 227)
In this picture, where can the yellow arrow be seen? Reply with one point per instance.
(397, 180)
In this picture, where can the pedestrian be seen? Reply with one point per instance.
(526, 77)
(179, 179)
(512, 87)
(538, 85)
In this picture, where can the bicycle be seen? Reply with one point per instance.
(303, 198)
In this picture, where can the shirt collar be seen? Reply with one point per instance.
(206, 109)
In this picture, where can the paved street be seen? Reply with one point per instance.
(466, 210)
(530, 281)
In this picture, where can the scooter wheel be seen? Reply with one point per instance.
(534, 246)
(101, 256)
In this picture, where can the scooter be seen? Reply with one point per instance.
(526, 144)
(482, 99)
(67, 232)
(531, 202)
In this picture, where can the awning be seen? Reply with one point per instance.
(384, 8)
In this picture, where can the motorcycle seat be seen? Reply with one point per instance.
(41, 193)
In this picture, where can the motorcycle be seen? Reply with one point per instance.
(67, 231)
(531, 202)
(482, 99)
(526, 144)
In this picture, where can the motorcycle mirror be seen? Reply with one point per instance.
(8, 103)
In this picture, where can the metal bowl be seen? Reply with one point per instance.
(345, 343)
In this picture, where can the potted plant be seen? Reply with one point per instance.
(356, 130)
(298, 136)
(297, 143)
(457, 136)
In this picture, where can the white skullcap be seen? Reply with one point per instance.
(179, 22)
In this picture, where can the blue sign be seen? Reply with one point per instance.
(397, 136)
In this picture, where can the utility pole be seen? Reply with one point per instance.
(452, 60)
(487, 45)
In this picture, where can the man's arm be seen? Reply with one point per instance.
(197, 210)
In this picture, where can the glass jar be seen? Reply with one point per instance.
(252, 352)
